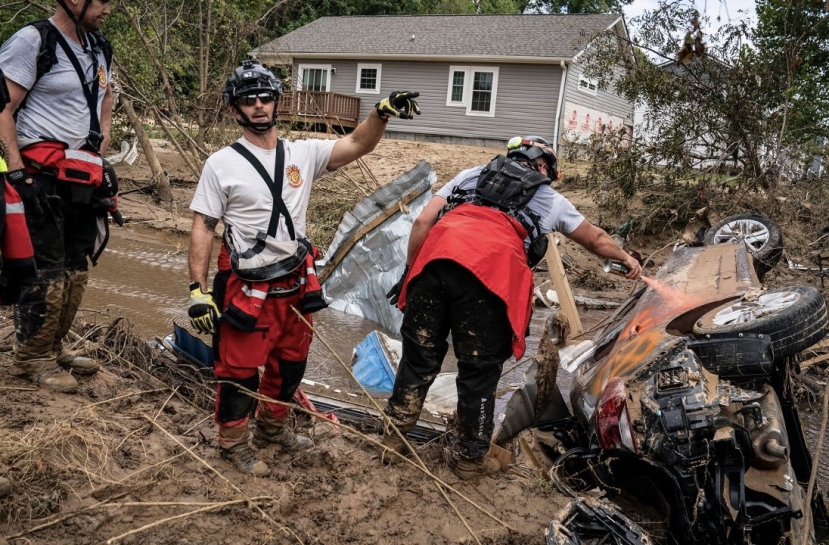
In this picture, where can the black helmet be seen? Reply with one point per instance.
(531, 148)
(248, 78)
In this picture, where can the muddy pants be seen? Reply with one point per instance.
(63, 234)
(446, 298)
(279, 343)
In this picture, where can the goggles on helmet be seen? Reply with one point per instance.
(248, 83)
(532, 148)
(248, 79)
(265, 97)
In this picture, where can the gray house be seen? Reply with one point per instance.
(482, 78)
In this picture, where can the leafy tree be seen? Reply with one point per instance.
(792, 39)
(724, 115)
(577, 6)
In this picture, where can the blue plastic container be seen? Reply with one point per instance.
(371, 365)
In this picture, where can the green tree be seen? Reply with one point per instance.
(792, 50)
(577, 6)
(720, 116)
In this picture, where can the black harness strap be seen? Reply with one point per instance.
(91, 94)
(274, 185)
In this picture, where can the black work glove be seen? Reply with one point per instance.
(400, 104)
(394, 293)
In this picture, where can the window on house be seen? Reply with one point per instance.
(368, 78)
(474, 88)
(482, 92)
(457, 84)
(315, 77)
(588, 85)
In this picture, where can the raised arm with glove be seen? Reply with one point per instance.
(203, 311)
(400, 104)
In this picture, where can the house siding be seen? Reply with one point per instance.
(583, 112)
(525, 103)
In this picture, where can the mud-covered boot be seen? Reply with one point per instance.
(71, 360)
(234, 447)
(395, 444)
(468, 469)
(245, 461)
(5, 487)
(46, 373)
(274, 431)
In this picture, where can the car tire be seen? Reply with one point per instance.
(762, 237)
(795, 318)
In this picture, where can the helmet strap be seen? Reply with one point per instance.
(78, 21)
(256, 127)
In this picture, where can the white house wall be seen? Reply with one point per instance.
(589, 109)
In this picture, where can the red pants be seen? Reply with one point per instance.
(280, 343)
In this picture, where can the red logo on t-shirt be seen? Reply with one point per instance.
(292, 174)
(102, 77)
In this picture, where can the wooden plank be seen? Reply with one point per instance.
(503, 456)
(562, 287)
(346, 246)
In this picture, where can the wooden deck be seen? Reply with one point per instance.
(333, 109)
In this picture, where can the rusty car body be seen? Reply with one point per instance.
(684, 418)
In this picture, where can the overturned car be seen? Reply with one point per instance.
(683, 427)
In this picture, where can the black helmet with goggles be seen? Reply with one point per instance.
(250, 78)
(530, 148)
(248, 83)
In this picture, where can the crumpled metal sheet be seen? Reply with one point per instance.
(359, 283)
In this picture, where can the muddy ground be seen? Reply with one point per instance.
(132, 458)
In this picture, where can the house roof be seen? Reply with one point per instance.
(422, 37)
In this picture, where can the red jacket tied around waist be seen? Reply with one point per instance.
(490, 244)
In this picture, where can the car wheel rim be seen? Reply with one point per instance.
(748, 311)
(753, 233)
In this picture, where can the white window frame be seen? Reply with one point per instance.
(469, 75)
(301, 69)
(452, 70)
(360, 67)
(588, 83)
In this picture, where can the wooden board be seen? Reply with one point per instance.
(562, 287)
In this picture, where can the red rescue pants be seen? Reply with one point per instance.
(279, 343)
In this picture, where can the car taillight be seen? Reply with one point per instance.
(612, 418)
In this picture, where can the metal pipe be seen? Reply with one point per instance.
(560, 104)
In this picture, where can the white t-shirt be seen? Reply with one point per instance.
(555, 211)
(56, 108)
(231, 189)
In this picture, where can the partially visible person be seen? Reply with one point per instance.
(467, 274)
(260, 187)
(17, 261)
(56, 124)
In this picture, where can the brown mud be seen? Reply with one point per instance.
(132, 458)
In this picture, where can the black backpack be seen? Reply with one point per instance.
(47, 55)
(508, 186)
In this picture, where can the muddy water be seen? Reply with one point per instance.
(143, 277)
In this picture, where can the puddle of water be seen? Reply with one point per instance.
(143, 277)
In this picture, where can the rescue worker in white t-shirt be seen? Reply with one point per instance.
(467, 274)
(260, 187)
(56, 126)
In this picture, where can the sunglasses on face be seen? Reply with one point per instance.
(250, 100)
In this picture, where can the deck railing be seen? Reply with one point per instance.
(320, 107)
